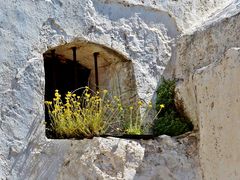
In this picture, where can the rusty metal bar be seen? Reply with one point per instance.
(74, 49)
(96, 69)
(53, 55)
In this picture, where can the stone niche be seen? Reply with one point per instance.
(73, 66)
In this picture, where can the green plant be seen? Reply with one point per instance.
(134, 125)
(170, 121)
(91, 114)
(95, 114)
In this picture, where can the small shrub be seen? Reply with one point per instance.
(134, 125)
(95, 114)
(133, 122)
(170, 121)
(83, 116)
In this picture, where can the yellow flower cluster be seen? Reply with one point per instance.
(92, 114)
(162, 106)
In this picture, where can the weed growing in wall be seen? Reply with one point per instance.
(133, 119)
(170, 121)
(91, 114)
(95, 114)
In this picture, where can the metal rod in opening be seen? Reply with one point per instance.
(54, 69)
(74, 49)
(96, 69)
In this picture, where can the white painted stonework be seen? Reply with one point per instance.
(195, 41)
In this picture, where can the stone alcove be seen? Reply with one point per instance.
(79, 64)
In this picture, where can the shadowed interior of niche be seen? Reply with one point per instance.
(79, 64)
(63, 75)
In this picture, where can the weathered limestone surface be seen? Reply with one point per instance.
(142, 31)
(207, 67)
(113, 158)
(219, 112)
(198, 50)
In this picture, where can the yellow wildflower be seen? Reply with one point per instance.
(87, 95)
(140, 103)
(150, 105)
(162, 106)
(48, 102)
(69, 94)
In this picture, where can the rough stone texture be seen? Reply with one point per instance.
(207, 68)
(113, 158)
(219, 130)
(199, 49)
(142, 31)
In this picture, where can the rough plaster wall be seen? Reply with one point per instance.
(207, 68)
(29, 28)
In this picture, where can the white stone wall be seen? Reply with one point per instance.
(207, 66)
(143, 31)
